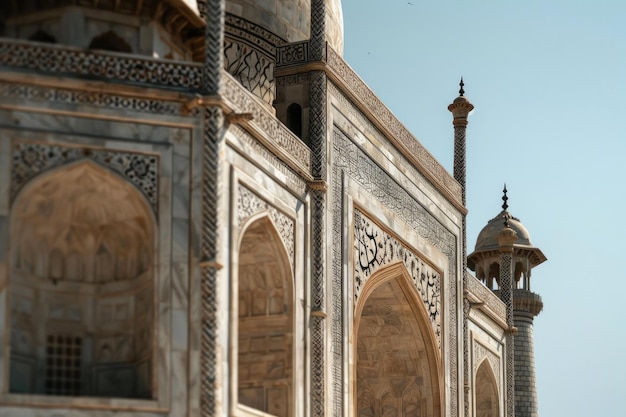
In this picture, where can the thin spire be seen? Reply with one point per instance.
(504, 198)
(505, 206)
(461, 84)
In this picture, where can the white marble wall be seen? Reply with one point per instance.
(175, 337)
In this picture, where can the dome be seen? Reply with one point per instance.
(290, 19)
(487, 237)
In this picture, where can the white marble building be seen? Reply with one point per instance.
(204, 211)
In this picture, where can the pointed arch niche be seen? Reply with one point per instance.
(396, 356)
(81, 286)
(486, 392)
(265, 325)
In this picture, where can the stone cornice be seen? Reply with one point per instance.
(340, 73)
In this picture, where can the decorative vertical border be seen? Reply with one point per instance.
(317, 44)
(214, 11)
(506, 280)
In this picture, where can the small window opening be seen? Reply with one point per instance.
(110, 41)
(63, 367)
(294, 119)
(42, 36)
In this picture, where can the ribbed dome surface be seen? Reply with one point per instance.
(487, 237)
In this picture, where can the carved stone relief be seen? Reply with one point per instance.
(292, 54)
(248, 203)
(32, 159)
(251, 68)
(374, 248)
(96, 64)
(100, 99)
(480, 353)
(486, 398)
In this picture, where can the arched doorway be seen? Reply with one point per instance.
(397, 365)
(81, 286)
(265, 323)
(486, 399)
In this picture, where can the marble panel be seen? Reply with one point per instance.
(5, 172)
(180, 284)
(179, 329)
(4, 232)
(179, 390)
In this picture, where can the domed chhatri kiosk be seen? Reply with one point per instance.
(513, 287)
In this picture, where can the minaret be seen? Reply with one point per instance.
(460, 108)
(490, 263)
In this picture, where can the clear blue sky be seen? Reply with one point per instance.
(548, 82)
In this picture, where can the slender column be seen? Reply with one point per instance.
(213, 125)
(506, 237)
(460, 109)
(319, 160)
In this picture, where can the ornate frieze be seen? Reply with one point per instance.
(99, 99)
(31, 159)
(400, 136)
(296, 79)
(375, 248)
(292, 54)
(63, 60)
(248, 203)
(254, 35)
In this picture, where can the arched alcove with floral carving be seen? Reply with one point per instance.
(396, 355)
(81, 286)
(265, 321)
(486, 398)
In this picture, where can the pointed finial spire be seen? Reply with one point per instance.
(461, 84)
(505, 205)
(504, 198)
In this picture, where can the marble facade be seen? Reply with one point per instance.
(294, 250)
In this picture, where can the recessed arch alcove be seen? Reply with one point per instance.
(486, 392)
(397, 368)
(265, 327)
(81, 285)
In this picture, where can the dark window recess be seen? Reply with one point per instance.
(41, 36)
(294, 119)
(110, 41)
